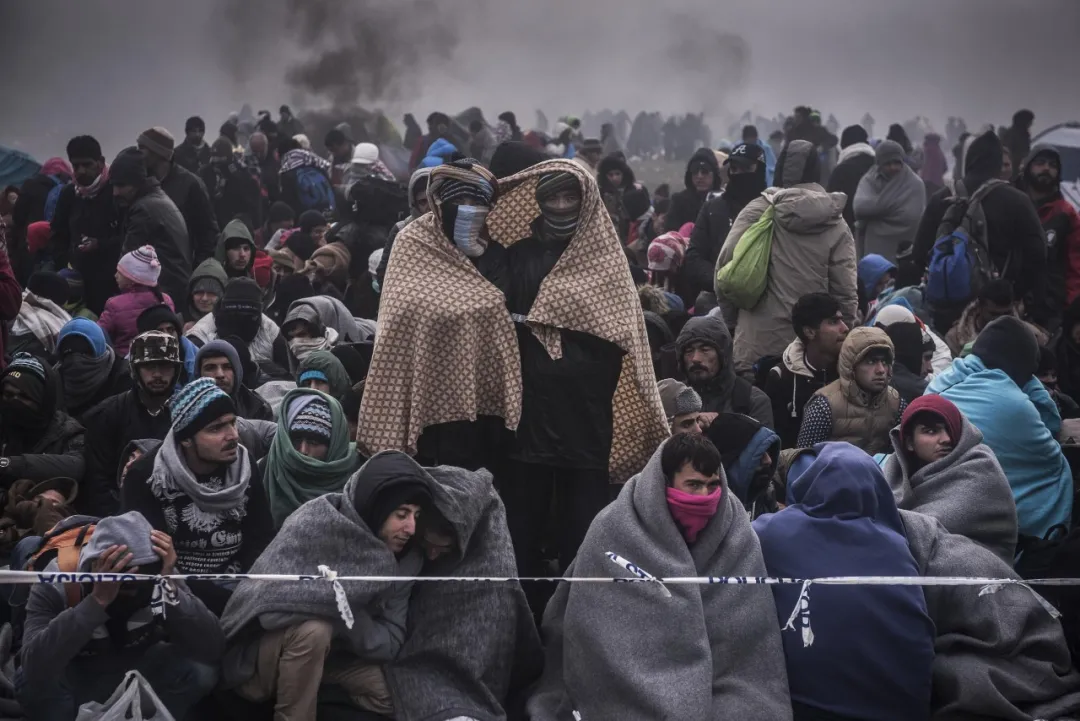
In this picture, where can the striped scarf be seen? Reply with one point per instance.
(89, 192)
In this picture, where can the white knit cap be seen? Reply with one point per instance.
(140, 266)
(893, 314)
(365, 154)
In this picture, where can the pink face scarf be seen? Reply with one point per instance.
(691, 512)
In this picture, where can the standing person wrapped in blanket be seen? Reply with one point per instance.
(519, 314)
(638, 652)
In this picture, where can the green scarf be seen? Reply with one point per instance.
(293, 479)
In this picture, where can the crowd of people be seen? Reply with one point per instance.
(822, 355)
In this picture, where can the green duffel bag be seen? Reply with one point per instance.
(743, 279)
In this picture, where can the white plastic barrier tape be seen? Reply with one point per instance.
(165, 592)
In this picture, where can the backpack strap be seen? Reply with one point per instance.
(67, 560)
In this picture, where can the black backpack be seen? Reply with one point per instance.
(378, 201)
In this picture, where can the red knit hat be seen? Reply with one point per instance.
(941, 407)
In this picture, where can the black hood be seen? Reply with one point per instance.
(714, 332)
(983, 160)
(853, 134)
(387, 474)
(613, 162)
(702, 154)
(1022, 179)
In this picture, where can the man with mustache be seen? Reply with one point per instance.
(134, 414)
(705, 358)
(1040, 178)
(204, 489)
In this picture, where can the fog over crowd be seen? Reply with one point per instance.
(125, 65)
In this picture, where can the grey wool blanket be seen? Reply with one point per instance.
(326, 531)
(997, 656)
(470, 648)
(629, 652)
(966, 491)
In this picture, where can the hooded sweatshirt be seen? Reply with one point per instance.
(1020, 424)
(873, 646)
(1061, 223)
(790, 386)
(743, 444)
(89, 379)
(842, 411)
(248, 403)
(812, 252)
(207, 272)
(234, 230)
(725, 392)
(686, 204)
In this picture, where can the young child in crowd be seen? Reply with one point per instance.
(137, 277)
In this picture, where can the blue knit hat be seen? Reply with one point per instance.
(196, 405)
(83, 328)
(310, 415)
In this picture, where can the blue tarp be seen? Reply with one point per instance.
(15, 167)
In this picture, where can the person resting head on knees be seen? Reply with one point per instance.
(279, 635)
(682, 406)
(841, 520)
(79, 642)
(679, 516)
(860, 406)
(939, 463)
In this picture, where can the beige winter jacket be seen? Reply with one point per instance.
(812, 252)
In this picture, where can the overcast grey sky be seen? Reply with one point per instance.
(114, 67)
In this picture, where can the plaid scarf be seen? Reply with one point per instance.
(89, 192)
(298, 158)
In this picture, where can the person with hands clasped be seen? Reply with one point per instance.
(74, 654)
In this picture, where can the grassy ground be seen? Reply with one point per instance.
(654, 172)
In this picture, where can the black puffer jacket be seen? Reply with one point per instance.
(1014, 232)
(686, 204)
(97, 218)
(29, 208)
(188, 193)
(155, 220)
(57, 451)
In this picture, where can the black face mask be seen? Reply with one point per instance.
(17, 416)
(741, 189)
(243, 326)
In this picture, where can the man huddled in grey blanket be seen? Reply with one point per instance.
(420, 651)
(632, 652)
